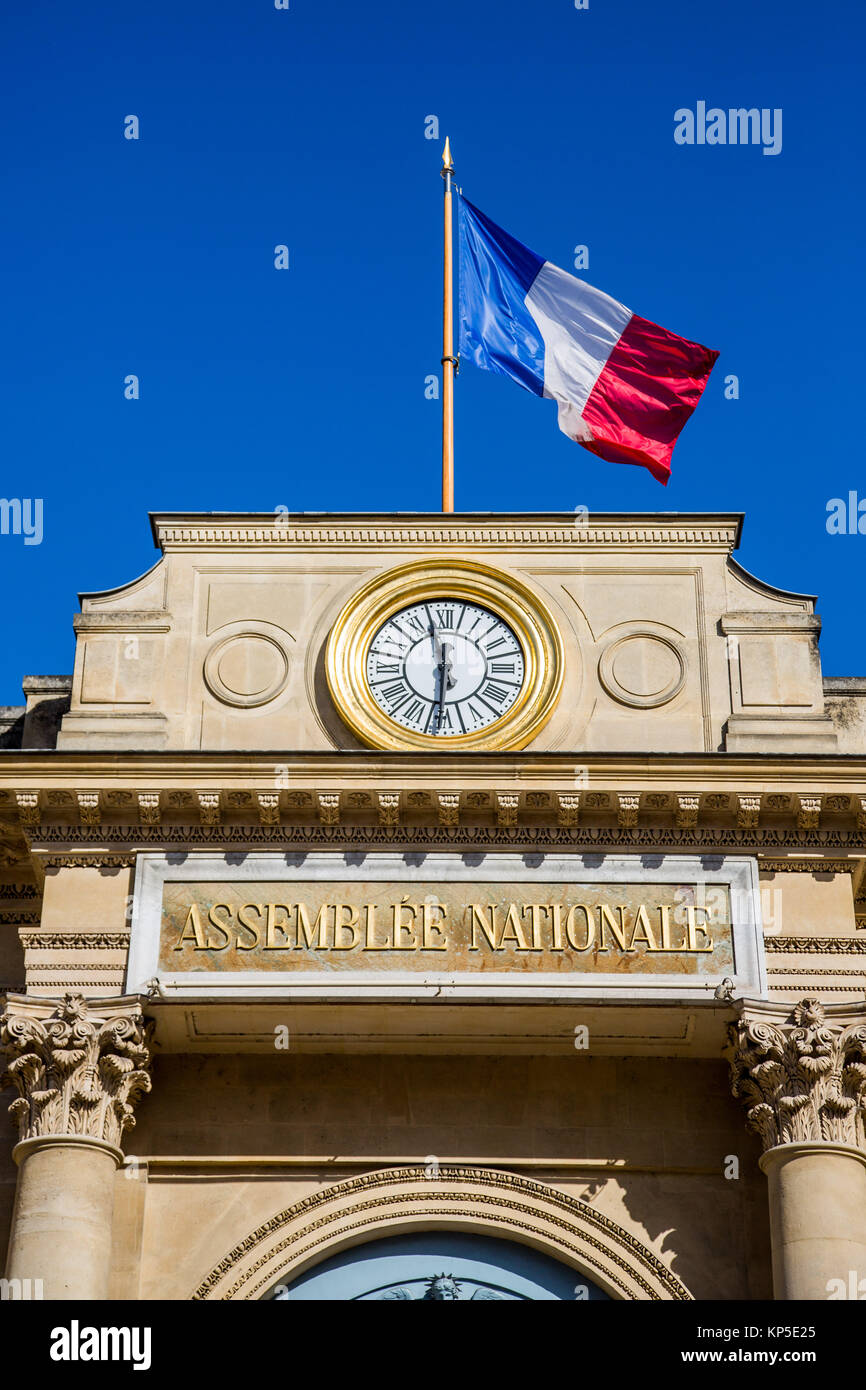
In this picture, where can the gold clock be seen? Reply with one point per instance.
(445, 654)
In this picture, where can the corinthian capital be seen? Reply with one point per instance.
(78, 1067)
(801, 1071)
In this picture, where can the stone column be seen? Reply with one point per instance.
(78, 1067)
(801, 1073)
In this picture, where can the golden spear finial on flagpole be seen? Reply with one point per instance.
(449, 361)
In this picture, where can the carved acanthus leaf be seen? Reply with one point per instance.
(802, 1077)
(79, 1067)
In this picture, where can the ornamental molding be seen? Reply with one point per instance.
(571, 534)
(769, 843)
(817, 945)
(773, 819)
(801, 1071)
(88, 861)
(385, 1202)
(814, 970)
(74, 941)
(79, 1066)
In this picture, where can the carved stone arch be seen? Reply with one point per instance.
(483, 1201)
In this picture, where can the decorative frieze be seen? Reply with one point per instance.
(67, 846)
(801, 1071)
(628, 808)
(748, 811)
(79, 1068)
(568, 808)
(88, 861)
(74, 940)
(506, 810)
(816, 945)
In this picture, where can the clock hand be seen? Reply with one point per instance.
(447, 665)
(437, 641)
(446, 680)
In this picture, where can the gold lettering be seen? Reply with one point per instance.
(349, 925)
(251, 927)
(272, 926)
(616, 929)
(219, 927)
(477, 923)
(535, 910)
(667, 945)
(429, 924)
(570, 929)
(642, 930)
(556, 912)
(397, 910)
(306, 929)
(694, 926)
(369, 943)
(513, 929)
(193, 920)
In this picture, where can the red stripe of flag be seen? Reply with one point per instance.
(646, 392)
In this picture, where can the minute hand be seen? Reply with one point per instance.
(446, 679)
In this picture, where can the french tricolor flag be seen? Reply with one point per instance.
(624, 386)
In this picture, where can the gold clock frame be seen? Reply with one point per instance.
(418, 582)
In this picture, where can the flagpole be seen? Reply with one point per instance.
(449, 361)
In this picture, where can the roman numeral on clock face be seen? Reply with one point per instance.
(496, 693)
(444, 617)
(398, 691)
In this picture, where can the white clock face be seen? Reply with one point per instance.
(445, 667)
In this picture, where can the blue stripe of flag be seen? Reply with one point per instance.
(497, 331)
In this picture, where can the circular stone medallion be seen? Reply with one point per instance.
(642, 669)
(246, 669)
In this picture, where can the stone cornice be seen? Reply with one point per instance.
(801, 1071)
(812, 774)
(599, 530)
(811, 803)
(78, 1066)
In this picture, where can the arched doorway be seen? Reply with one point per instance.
(439, 1266)
(474, 1201)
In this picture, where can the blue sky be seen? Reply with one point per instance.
(305, 388)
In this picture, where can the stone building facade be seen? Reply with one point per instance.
(558, 957)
